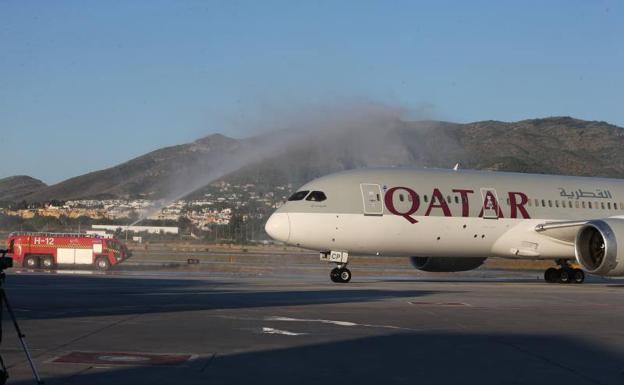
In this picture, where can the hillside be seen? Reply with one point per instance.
(558, 145)
(16, 187)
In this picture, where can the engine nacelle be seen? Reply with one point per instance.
(596, 247)
(446, 264)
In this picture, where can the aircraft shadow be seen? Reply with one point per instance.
(52, 297)
(403, 358)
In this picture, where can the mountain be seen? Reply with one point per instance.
(556, 145)
(150, 176)
(15, 187)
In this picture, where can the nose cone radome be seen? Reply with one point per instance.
(278, 227)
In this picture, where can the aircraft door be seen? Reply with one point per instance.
(372, 199)
(491, 207)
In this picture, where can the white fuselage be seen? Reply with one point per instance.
(443, 213)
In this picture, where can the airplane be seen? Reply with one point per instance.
(453, 220)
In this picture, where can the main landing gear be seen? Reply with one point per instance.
(564, 274)
(339, 274)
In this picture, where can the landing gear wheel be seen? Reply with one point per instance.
(340, 275)
(345, 275)
(102, 264)
(578, 276)
(565, 276)
(31, 262)
(551, 275)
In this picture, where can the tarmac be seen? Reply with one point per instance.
(280, 327)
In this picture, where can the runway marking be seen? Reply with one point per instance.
(266, 330)
(338, 323)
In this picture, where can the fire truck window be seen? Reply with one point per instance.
(318, 196)
(299, 195)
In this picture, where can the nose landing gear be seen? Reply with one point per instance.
(339, 274)
(564, 274)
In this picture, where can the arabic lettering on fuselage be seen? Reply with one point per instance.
(579, 194)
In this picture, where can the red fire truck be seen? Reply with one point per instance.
(47, 250)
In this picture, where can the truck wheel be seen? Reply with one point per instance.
(47, 262)
(102, 264)
(31, 262)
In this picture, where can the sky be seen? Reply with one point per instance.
(85, 85)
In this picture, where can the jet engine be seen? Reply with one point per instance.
(596, 247)
(446, 264)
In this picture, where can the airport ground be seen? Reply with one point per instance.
(272, 316)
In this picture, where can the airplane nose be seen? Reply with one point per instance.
(278, 227)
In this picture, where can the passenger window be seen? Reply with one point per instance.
(583, 203)
(576, 204)
(589, 205)
(299, 195)
(456, 199)
(602, 205)
(549, 203)
(507, 201)
(401, 198)
(448, 198)
(529, 203)
(319, 196)
(608, 205)
(536, 203)
(543, 203)
(425, 198)
(557, 204)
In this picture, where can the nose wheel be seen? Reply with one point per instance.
(564, 274)
(340, 275)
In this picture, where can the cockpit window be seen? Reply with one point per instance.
(316, 196)
(299, 195)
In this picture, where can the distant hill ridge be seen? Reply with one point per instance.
(16, 187)
(555, 145)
